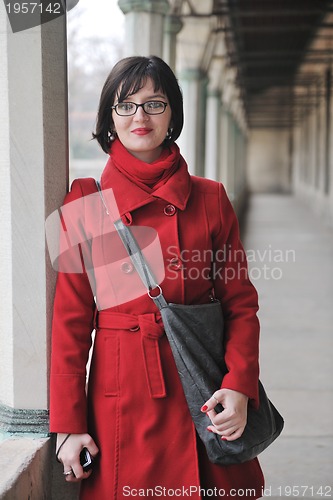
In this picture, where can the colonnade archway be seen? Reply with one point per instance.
(257, 85)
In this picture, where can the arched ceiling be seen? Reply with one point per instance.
(269, 49)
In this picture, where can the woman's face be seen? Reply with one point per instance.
(143, 134)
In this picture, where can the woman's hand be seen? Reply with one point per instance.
(231, 422)
(69, 454)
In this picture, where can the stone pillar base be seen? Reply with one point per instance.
(24, 421)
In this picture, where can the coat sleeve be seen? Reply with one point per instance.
(72, 325)
(239, 301)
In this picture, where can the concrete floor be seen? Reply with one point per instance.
(292, 268)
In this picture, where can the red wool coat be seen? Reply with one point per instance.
(135, 408)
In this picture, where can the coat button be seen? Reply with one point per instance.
(126, 267)
(176, 263)
(170, 210)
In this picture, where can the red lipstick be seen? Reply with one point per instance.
(141, 131)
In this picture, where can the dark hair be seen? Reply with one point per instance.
(128, 76)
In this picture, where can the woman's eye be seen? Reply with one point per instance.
(154, 105)
(125, 106)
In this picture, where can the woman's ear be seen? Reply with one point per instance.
(112, 126)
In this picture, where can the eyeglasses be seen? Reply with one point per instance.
(149, 107)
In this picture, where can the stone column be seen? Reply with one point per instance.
(33, 181)
(213, 135)
(240, 171)
(225, 147)
(192, 140)
(231, 157)
(172, 26)
(144, 20)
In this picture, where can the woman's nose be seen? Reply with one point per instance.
(140, 115)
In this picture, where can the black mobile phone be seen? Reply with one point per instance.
(86, 460)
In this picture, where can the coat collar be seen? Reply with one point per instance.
(129, 196)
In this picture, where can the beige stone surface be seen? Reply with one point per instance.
(296, 318)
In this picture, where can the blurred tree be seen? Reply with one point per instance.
(90, 60)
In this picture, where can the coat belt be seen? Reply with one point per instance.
(151, 327)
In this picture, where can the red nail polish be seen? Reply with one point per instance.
(208, 429)
(223, 438)
(204, 408)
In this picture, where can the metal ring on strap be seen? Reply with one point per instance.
(157, 296)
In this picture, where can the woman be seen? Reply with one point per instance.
(135, 419)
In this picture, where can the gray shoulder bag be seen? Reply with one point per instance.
(195, 334)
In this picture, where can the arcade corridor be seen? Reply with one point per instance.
(257, 87)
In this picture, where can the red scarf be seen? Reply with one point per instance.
(136, 183)
(149, 176)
